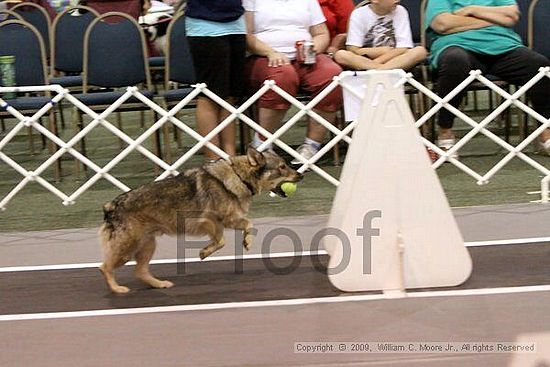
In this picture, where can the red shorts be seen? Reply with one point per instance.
(294, 77)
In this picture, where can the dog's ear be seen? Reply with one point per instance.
(255, 158)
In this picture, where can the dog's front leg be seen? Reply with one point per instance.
(249, 232)
(214, 229)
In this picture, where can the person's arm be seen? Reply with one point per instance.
(337, 43)
(506, 16)
(447, 23)
(387, 56)
(370, 52)
(320, 37)
(257, 47)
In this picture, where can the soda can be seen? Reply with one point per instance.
(305, 53)
(309, 53)
(300, 51)
(7, 75)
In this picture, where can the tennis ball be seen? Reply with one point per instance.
(288, 188)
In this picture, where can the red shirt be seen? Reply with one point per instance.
(337, 13)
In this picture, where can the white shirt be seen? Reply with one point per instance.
(280, 23)
(368, 29)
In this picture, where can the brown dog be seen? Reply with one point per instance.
(209, 199)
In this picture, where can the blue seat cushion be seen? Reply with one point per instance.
(105, 98)
(157, 61)
(26, 103)
(67, 80)
(176, 94)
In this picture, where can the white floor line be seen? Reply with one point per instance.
(164, 261)
(273, 303)
(9, 269)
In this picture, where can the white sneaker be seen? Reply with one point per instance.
(256, 142)
(544, 147)
(305, 150)
(446, 144)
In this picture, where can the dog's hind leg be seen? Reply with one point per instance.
(116, 254)
(108, 269)
(143, 256)
(214, 230)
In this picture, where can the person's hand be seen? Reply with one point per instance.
(277, 59)
(467, 11)
(331, 51)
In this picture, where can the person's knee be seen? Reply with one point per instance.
(453, 58)
(285, 77)
(342, 57)
(419, 52)
(540, 60)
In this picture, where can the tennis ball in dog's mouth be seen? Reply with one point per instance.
(289, 188)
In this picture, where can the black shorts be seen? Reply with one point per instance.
(219, 62)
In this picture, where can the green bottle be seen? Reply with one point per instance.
(7, 75)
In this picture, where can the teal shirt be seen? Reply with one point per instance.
(205, 28)
(493, 40)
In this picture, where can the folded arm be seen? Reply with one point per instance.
(447, 23)
(371, 52)
(506, 16)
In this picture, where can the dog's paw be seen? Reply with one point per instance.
(164, 284)
(120, 289)
(203, 254)
(247, 242)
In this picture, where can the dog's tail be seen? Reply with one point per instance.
(107, 229)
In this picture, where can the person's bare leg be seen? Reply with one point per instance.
(354, 61)
(545, 135)
(207, 113)
(316, 131)
(407, 60)
(270, 119)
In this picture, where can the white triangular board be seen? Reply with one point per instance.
(387, 169)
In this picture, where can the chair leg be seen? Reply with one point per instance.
(61, 115)
(119, 125)
(42, 137)
(157, 144)
(31, 140)
(52, 121)
(336, 148)
(166, 137)
(79, 127)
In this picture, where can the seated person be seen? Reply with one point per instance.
(337, 13)
(134, 8)
(477, 34)
(379, 37)
(273, 27)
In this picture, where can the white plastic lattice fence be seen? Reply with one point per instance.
(239, 112)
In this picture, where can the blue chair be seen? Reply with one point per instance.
(38, 17)
(67, 39)
(179, 71)
(68, 30)
(22, 40)
(414, 7)
(8, 14)
(521, 27)
(115, 56)
(539, 26)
